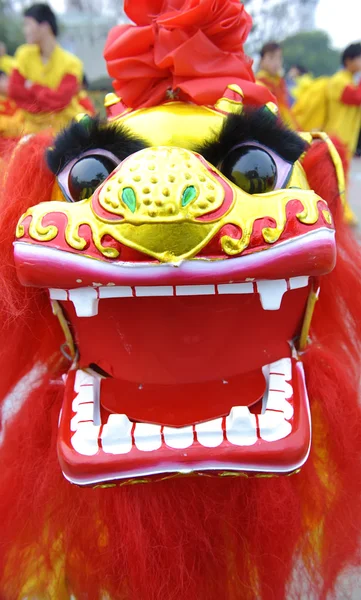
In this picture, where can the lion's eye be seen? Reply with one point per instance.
(87, 174)
(251, 168)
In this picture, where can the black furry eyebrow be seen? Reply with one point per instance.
(88, 135)
(257, 125)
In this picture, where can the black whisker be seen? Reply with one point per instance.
(258, 125)
(89, 134)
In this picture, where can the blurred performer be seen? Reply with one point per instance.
(297, 80)
(343, 118)
(271, 67)
(47, 79)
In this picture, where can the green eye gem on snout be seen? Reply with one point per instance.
(188, 195)
(129, 198)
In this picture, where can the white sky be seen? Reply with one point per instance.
(342, 20)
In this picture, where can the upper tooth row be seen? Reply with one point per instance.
(241, 427)
(86, 299)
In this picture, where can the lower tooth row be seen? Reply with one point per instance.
(242, 428)
(86, 299)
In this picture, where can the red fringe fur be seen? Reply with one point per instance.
(184, 539)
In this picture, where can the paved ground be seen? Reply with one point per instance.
(355, 190)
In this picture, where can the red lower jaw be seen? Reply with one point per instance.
(93, 450)
(184, 404)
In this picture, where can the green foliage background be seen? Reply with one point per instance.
(10, 28)
(313, 50)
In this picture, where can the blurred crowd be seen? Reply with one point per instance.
(329, 103)
(43, 85)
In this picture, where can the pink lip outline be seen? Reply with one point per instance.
(311, 254)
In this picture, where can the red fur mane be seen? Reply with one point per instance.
(195, 538)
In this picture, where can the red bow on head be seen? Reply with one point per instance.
(192, 46)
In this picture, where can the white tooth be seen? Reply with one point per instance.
(277, 401)
(85, 301)
(278, 383)
(241, 427)
(235, 288)
(195, 290)
(116, 291)
(273, 426)
(56, 294)
(283, 367)
(210, 433)
(116, 435)
(85, 396)
(84, 413)
(85, 439)
(271, 293)
(181, 437)
(154, 290)
(288, 390)
(298, 282)
(147, 437)
(82, 378)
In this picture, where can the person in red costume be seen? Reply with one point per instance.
(46, 79)
(269, 75)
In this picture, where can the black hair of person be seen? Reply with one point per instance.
(42, 13)
(352, 51)
(300, 68)
(270, 48)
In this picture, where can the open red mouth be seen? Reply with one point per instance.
(177, 371)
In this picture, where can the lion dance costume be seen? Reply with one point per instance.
(163, 340)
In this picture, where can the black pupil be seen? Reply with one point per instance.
(252, 169)
(87, 174)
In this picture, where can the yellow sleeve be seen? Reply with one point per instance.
(74, 66)
(7, 63)
(23, 61)
(336, 86)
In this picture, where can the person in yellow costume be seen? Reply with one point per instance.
(343, 106)
(343, 115)
(298, 79)
(46, 79)
(271, 66)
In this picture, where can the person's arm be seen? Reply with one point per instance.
(54, 100)
(352, 95)
(20, 91)
(36, 98)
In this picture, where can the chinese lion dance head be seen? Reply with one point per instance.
(174, 317)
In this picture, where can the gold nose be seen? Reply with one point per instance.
(162, 184)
